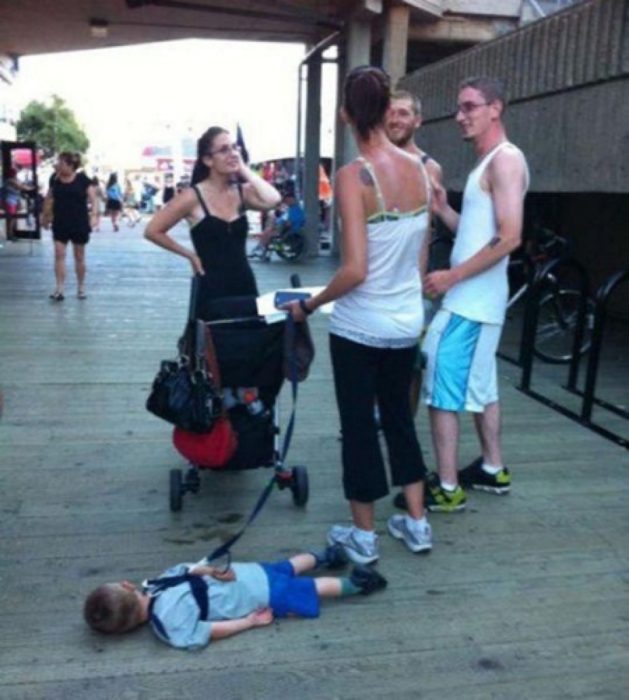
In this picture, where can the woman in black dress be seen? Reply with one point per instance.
(223, 187)
(66, 208)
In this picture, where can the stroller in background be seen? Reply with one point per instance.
(250, 356)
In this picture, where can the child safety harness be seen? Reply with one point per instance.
(198, 586)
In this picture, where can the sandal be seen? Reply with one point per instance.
(56, 296)
(81, 294)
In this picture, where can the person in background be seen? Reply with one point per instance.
(169, 189)
(325, 199)
(130, 204)
(12, 191)
(289, 218)
(114, 200)
(149, 190)
(383, 199)
(101, 199)
(183, 183)
(69, 207)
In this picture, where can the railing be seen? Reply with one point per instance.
(525, 290)
(600, 320)
(539, 285)
(605, 291)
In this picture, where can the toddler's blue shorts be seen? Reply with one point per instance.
(290, 594)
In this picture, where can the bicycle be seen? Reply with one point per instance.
(558, 304)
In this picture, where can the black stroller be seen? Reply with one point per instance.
(250, 355)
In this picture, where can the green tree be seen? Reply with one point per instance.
(52, 126)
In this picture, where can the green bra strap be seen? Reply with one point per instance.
(370, 170)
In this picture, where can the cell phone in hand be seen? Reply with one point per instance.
(288, 295)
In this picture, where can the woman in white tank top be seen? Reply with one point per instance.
(383, 201)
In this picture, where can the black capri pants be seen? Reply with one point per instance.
(362, 375)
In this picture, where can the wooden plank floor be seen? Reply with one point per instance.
(523, 597)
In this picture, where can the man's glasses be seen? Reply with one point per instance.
(469, 107)
(226, 149)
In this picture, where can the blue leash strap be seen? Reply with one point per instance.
(223, 550)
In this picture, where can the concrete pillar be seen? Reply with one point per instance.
(396, 41)
(339, 149)
(357, 52)
(312, 151)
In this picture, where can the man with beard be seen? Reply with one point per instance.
(402, 121)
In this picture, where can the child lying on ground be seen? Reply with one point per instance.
(191, 604)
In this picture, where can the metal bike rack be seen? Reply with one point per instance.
(584, 417)
(531, 318)
(589, 397)
(530, 274)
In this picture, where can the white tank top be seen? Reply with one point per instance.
(386, 310)
(484, 296)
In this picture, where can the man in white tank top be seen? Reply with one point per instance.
(463, 338)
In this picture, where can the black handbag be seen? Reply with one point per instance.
(185, 397)
(185, 392)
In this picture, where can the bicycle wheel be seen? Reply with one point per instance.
(291, 246)
(556, 325)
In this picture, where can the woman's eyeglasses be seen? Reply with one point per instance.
(225, 150)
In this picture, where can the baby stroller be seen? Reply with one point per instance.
(250, 357)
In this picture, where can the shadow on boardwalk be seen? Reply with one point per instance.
(523, 597)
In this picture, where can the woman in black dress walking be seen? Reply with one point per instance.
(215, 207)
(66, 208)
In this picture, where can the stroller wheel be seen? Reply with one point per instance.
(176, 490)
(299, 486)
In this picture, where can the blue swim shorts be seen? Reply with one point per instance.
(290, 594)
(461, 372)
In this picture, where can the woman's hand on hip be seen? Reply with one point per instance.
(197, 265)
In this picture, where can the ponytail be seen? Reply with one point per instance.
(367, 93)
(199, 172)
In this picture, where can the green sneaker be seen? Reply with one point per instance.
(475, 477)
(438, 500)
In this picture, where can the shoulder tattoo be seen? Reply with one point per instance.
(365, 177)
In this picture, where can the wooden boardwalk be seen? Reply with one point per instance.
(523, 597)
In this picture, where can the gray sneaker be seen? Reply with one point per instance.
(359, 551)
(417, 538)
